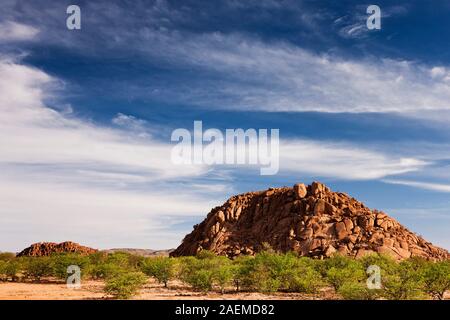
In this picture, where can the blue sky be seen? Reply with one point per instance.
(87, 114)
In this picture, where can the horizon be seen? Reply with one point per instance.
(87, 114)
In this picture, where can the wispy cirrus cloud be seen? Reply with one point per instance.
(56, 168)
(240, 70)
(440, 187)
(13, 31)
(343, 161)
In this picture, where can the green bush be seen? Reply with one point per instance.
(241, 269)
(61, 262)
(201, 280)
(357, 291)
(436, 278)
(198, 273)
(7, 256)
(340, 269)
(11, 270)
(104, 270)
(223, 272)
(160, 268)
(2, 270)
(125, 285)
(304, 277)
(120, 259)
(404, 281)
(38, 267)
(268, 271)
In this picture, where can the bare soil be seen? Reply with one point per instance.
(93, 290)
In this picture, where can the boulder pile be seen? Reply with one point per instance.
(48, 248)
(310, 220)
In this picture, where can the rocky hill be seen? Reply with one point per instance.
(47, 248)
(311, 220)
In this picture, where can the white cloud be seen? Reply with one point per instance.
(422, 185)
(101, 217)
(13, 31)
(63, 177)
(252, 74)
(343, 161)
(131, 123)
(277, 76)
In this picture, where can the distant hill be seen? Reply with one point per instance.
(141, 252)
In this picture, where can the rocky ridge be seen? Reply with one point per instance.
(47, 248)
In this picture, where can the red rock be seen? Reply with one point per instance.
(341, 232)
(300, 190)
(317, 188)
(48, 248)
(310, 220)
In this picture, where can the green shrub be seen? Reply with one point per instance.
(2, 270)
(269, 271)
(7, 256)
(201, 280)
(340, 270)
(104, 270)
(357, 291)
(11, 270)
(385, 262)
(62, 261)
(38, 267)
(120, 259)
(404, 281)
(198, 273)
(206, 255)
(125, 285)
(223, 272)
(436, 278)
(97, 258)
(304, 277)
(161, 268)
(241, 269)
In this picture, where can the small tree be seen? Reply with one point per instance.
(223, 272)
(303, 277)
(104, 270)
(38, 267)
(62, 261)
(404, 281)
(11, 270)
(241, 270)
(201, 280)
(436, 277)
(125, 285)
(198, 273)
(161, 268)
(346, 270)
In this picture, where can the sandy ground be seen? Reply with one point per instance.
(92, 290)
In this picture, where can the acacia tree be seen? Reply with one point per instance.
(436, 277)
(161, 268)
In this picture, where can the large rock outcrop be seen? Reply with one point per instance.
(48, 248)
(311, 220)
